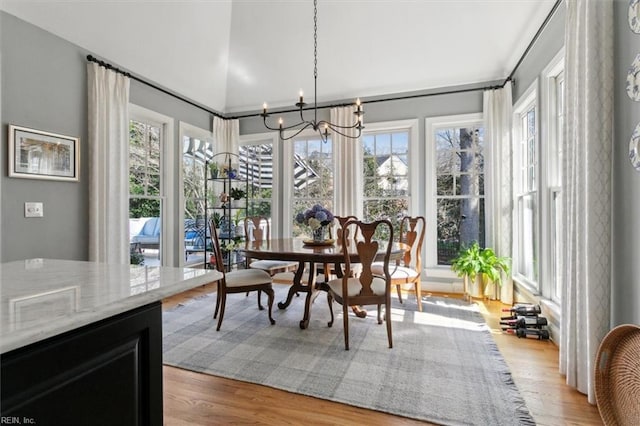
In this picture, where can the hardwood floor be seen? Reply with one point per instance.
(198, 399)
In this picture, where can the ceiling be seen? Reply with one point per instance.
(233, 55)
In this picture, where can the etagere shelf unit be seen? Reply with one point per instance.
(225, 206)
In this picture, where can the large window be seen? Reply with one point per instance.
(386, 175)
(312, 171)
(145, 188)
(552, 100)
(197, 148)
(455, 203)
(526, 210)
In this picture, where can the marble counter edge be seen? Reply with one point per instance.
(21, 338)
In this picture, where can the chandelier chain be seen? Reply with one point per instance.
(315, 39)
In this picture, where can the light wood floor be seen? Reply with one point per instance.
(198, 399)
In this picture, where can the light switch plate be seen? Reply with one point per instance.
(33, 210)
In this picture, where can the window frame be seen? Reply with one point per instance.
(551, 255)
(167, 186)
(273, 139)
(395, 126)
(187, 130)
(432, 268)
(528, 101)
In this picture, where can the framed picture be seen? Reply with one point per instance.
(34, 154)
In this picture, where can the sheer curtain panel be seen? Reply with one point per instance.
(586, 176)
(108, 116)
(348, 165)
(497, 113)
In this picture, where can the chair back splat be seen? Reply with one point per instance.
(407, 271)
(369, 287)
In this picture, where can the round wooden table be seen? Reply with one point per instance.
(295, 249)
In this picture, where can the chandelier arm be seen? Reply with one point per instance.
(295, 134)
(350, 136)
(336, 127)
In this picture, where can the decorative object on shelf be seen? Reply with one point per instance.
(633, 80)
(322, 126)
(634, 148)
(316, 218)
(229, 171)
(237, 194)
(34, 154)
(634, 16)
(480, 268)
(213, 169)
(224, 198)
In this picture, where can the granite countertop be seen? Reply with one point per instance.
(41, 298)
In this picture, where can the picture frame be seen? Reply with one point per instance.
(35, 154)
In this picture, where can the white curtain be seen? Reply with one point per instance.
(108, 116)
(226, 135)
(497, 112)
(348, 165)
(586, 178)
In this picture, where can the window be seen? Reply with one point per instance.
(311, 168)
(386, 175)
(146, 184)
(259, 159)
(197, 148)
(552, 90)
(455, 186)
(526, 204)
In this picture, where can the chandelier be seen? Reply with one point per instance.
(323, 127)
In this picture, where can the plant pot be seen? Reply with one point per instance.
(474, 288)
(490, 289)
(238, 204)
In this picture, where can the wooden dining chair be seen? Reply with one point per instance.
(407, 270)
(367, 288)
(335, 233)
(239, 281)
(256, 228)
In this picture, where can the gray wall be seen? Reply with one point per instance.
(44, 87)
(625, 294)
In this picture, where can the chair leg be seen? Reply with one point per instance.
(379, 313)
(418, 288)
(271, 296)
(215, 313)
(260, 307)
(223, 300)
(330, 302)
(399, 293)
(345, 320)
(388, 319)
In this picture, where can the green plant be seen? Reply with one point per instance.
(474, 260)
(215, 217)
(237, 193)
(237, 217)
(213, 168)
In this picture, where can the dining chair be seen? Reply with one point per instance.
(367, 288)
(407, 270)
(239, 281)
(335, 232)
(256, 228)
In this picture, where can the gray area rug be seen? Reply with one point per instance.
(444, 367)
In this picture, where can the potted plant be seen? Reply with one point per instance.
(237, 194)
(481, 269)
(213, 169)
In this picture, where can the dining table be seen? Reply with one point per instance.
(309, 254)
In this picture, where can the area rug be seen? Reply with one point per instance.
(444, 367)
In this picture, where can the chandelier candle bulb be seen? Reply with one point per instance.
(301, 97)
(280, 122)
(264, 108)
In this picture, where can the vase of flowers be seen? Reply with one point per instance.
(317, 218)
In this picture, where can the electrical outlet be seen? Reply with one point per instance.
(33, 210)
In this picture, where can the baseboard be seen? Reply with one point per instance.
(443, 286)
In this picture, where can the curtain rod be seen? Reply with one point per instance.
(143, 81)
(337, 105)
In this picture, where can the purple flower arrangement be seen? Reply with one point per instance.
(315, 217)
